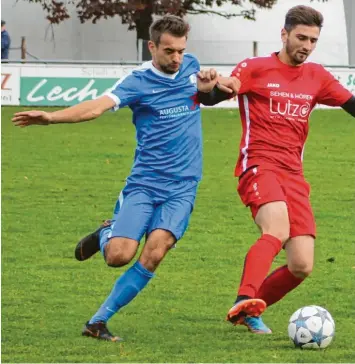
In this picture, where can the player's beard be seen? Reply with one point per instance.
(166, 68)
(296, 55)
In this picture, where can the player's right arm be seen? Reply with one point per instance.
(84, 111)
(126, 92)
(224, 87)
(239, 82)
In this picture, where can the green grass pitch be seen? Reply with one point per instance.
(60, 182)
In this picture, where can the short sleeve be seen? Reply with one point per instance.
(332, 92)
(192, 63)
(196, 64)
(126, 91)
(243, 71)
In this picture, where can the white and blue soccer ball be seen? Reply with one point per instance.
(311, 327)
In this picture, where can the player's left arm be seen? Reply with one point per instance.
(333, 93)
(349, 106)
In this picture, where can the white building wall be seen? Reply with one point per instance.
(232, 39)
(349, 8)
(213, 39)
(106, 40)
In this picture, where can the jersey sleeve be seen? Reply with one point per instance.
(194, 64)
(332, 92)
(126, 91)
(243, 71)
(191, 65)
(197, 65)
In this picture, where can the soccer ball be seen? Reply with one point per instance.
(311, 327)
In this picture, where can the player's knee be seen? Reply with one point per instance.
(283, 234)
(301, 269)
(280, 230)
(115, 260)
(117, 257)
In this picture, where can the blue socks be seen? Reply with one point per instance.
(105, 235)
(125, 289)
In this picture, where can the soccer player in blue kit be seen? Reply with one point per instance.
(159, 195)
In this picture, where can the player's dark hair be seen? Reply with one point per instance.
(303, 15)
(168, 24)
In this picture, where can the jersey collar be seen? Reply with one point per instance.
(160, 73)
(290, 68)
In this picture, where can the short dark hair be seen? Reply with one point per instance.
(3, 22)
(303, 15)
(168, 24)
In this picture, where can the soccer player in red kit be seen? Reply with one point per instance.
(276, 97)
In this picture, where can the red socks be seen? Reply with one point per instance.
(257, 265)
(277, 285)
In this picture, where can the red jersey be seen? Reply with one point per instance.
(275, 101)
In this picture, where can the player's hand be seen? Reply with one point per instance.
(229, 84)
(207, 80)
(33, 117)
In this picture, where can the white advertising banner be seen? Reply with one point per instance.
(65, 85)
(10, 85)
(346, 76)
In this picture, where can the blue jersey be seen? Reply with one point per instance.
(167, 118)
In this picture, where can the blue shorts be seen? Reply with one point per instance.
(140, 209)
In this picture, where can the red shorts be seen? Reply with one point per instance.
(258, 186)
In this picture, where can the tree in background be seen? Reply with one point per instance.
(138, 14)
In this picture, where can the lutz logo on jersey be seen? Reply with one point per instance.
(289, 108)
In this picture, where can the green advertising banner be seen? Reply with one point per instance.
(62, 91)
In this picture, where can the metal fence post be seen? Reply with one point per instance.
(255, 49)
(140, 50)
(23, 48)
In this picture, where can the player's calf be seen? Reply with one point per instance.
(158, 244)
